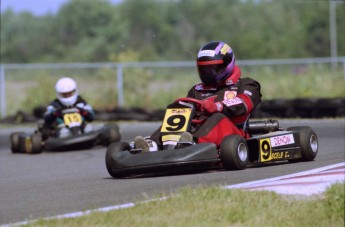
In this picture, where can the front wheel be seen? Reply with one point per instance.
(308, 142)
(234, 152)
(111, 150)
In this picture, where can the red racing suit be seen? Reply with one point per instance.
(238, 100)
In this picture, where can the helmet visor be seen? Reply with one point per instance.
(209, 73)
(67, 94)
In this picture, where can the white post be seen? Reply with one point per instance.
(2, 92)
(333, 32)
(120, 85)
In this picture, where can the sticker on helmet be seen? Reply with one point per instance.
(206, 53)
(225, 49)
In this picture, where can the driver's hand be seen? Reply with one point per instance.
(83, 112)
(212, 107)
(57, 113)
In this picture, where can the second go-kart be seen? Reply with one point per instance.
(268, 143)
(75, 137)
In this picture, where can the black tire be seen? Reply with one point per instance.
(308, 142)
(14, 137)
(234, 152)
(110, 134)
(114, 134)
(36, 140)
(112, 149)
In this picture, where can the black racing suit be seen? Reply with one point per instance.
(52, 116)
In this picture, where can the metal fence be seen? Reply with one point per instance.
(118, 71)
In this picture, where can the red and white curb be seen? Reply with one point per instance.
(310, 182)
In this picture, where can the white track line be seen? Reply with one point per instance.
(309, 182)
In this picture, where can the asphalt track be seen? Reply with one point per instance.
(51, 183)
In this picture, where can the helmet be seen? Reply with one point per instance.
(66, 91)
(215, 63)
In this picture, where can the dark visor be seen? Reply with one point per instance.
(67, 94)
(209, 72)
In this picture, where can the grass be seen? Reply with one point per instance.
(214, 206)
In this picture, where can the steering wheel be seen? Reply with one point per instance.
(198, 107)
(198, 103)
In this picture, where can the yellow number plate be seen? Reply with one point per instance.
(72, 119)
(176, 120)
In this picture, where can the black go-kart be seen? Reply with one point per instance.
(75, 137)
(267, 143)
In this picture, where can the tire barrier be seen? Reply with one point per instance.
(301, 108)
(279, 108)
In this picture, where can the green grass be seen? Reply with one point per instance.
(214, 206)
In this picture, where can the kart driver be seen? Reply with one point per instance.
(66, 97)
(227, 99)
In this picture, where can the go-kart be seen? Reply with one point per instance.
(267, 143)
(73, 138)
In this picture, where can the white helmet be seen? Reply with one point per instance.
(66, 91)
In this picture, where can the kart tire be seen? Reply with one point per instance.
(113, 134)
(14, 137)
(308, 142)
(110, 134)
(112, 149)
(234, 152)
(36, 140)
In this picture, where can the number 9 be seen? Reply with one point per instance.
(176, 122)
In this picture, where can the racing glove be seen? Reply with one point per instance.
(83, 112)
(56, 113)
(212, 107)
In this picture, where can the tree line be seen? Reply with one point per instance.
(163, 30)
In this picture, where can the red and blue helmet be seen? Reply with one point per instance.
(215, 63)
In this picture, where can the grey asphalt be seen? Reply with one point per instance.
(52, 183)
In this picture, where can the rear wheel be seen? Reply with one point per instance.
(308, 142)
(36, 140)
(14, 137)
(112, 149)
(234, 152)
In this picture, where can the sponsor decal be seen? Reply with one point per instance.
(219, 106)
(282, 140)
(206, 53)
(206, 94)
(169, 142)
(200, 87)
(171, 138)
(180, 111)
(266, 153)
(225, 49)
(248, 92)
(232, 102)
(230, 95)
(229, 82)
